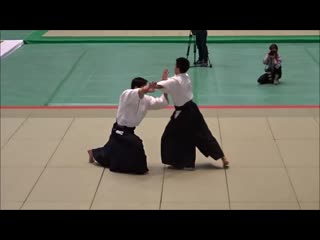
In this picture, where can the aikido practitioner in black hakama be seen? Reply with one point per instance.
(187, 128)
(124, 152)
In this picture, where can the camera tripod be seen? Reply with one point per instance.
(195, 53)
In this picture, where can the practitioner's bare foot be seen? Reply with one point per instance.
(225, 162)
(91, 159)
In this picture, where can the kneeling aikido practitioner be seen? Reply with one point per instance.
(124, 152)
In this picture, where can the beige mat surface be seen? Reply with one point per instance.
(274, 163)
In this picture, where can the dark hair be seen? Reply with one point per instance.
(138, 82)
(183, 64)
(273, 46)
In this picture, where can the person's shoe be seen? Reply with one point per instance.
(204, 64)
(276, 82)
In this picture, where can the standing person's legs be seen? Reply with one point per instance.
(205, 141)
(205, 47)
(177, 143)
(208, 145)
(200, 47)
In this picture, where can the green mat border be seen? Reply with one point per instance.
(37, 38)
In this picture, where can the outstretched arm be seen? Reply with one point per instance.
(165, 75)
(155, 103)
(146, 89)
(163, 101)
(158, 86)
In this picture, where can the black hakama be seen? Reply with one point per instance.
(185, 131)
(123, 153)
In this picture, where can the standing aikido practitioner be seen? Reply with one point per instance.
(124, 152)
(187, 128)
